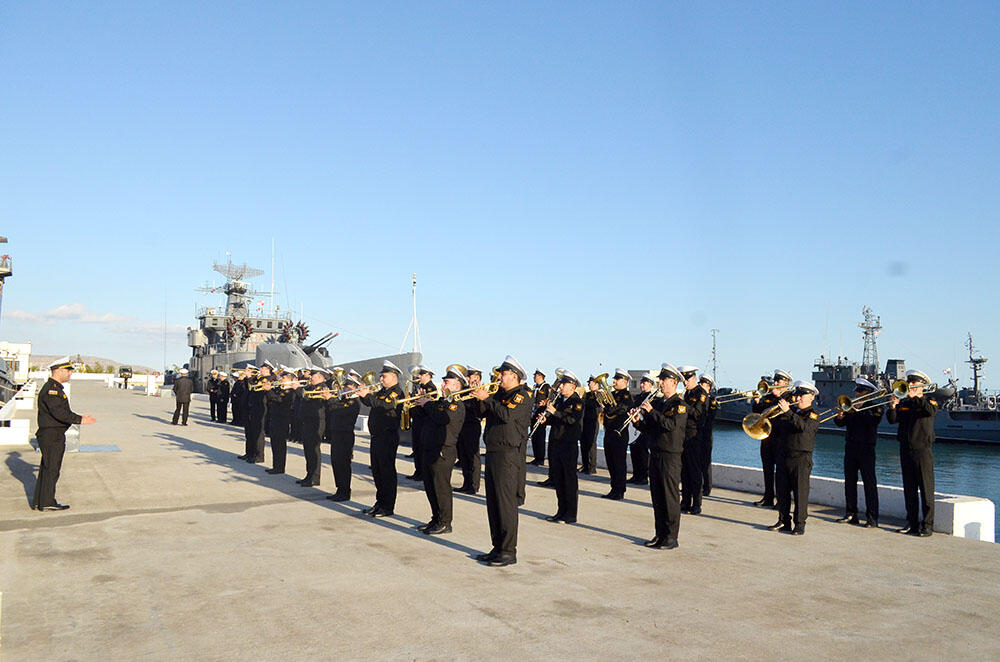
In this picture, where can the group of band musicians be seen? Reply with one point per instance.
(671, 453)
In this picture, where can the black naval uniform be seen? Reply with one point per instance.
(468, 446)
(279, 402)
(417, 432)
(567, 425)
(54, 418)
(767, 457)
(213, 397)
(383, 424)
(665, 424)
(183, 386)
(442, 424)
(221, 409)
(639, 450)
(541, 392)
(256, 413)
(508, 417)
(616, 445)
(697, 402)
(588, 436)
(342, 417)
(859, 455)
(312, 427)
(707, 437)
(238, 395)
(915, 417)
(795, 439)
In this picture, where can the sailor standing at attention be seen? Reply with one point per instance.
(183, 387)
(696, 400)
(591, 424)
(761, 404)
(342, 418)
(468, 438)
(239, 395)
(54, 418)
(915, 416)
(859, 454)
(707, 434)
(793, 452)
(424, 385)
(615, 442)
(665, 419)
(640, 447)
(213, 394)
(443, 418)
(222, 400)
(565, 417)
(383, 424)
(541, 395)
(508, 416)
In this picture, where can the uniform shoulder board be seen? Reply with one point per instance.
(393, 395)
(933, 402)
(813, 415)
(453, 406)
(53, 392)
(518, 399)
(511, 405)
(703, 396)
(681, 409)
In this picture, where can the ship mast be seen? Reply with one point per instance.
(977, 365)
(715, 364)
(417, 347)
(5, 269)
(870, 327)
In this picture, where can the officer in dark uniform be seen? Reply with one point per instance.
(54, 418)
(565, 417)
(383, 424)
(793, 449)
(591, 424)
(222, 406)
(707, 434)
(508, 416)
(665, 419)
(238, 395)
(213, 394)
(183, 387)
(640, 447)
(280, 397)
(313, 413)
(616, 443)
(468, 438)
(696, 400)
(861, 435)
(915, 416)
(342, 418)
(541, 395)
(443, 418)
(425, 384)
(761, 404)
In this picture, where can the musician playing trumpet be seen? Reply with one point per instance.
(616, 434)
(565, 417)
(442, 422)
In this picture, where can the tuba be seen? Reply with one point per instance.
(605, 396)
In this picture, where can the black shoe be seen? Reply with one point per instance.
(906, 530)
(798, 531)
(382, 512)
(685, 509)
(173, 422)
(668, 544)
(569, 520)
(706, 491)
(370, 510)
(417, 477)
(256, 460)
(924, 533)
(764, 503)
(411, 455)
(423, 527)
(339, 497)
(653, 542)
(554, 518)
(545, 483)
(592, 472)
(55, 506)
(183, 423)
(780, 526)
(438, 529)
(617, 496)
(238, 457)
(488, 556)
(871, 524)
(695, 510)
(501, 560)
(848, 519)
(538, 463)
(275, 471)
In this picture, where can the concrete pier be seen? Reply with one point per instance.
(174, 549)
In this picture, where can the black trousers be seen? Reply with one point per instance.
(792, 478)
(538, 443)
(615, 449)
(220, 410)
(279, 447)
(522, 452)
(341, 454)
(640, 459)
(237, 413)
(254, 432)
(52, 444)
(181, 408)
(588, 445)
(468, 456)
(918, 475)
(664, 492)
(313, 450)
(503, 481)
(416, 430)
(562, 465)
(213, 405)
(691, 475)
(706, 465)
(768, 462)
(383, 464)
(860, 458)
(437, 482)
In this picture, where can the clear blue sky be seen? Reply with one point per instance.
(582, 184)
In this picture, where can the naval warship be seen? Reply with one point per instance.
(965, 415)
(231, 337)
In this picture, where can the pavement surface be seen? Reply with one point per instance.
(174, 549)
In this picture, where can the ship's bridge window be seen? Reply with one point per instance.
(269, 325)
(258, 324)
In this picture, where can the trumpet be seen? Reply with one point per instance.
(319, 393)
(605, 396)
(632, 415)
(259, 384)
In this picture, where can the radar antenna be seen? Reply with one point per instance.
(236, 271)
(871, 326)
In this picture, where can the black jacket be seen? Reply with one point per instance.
(665, 424)
(183, 387)
(591, 406)
(915, 417)
(53, 407)
(344, 414)
(384, 415)
(615, 415)
(798, 431)
(566, 422)
(862, 426)
(442, 423)
(697, 402)
(508, 417)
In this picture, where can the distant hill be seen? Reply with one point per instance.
(41, 361)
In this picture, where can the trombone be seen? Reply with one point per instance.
(758, 426)
(762, 388)
(899, 389)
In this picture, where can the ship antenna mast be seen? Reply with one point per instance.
(871, 326)
(715, 364)
(414, 325)
(977, 365)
